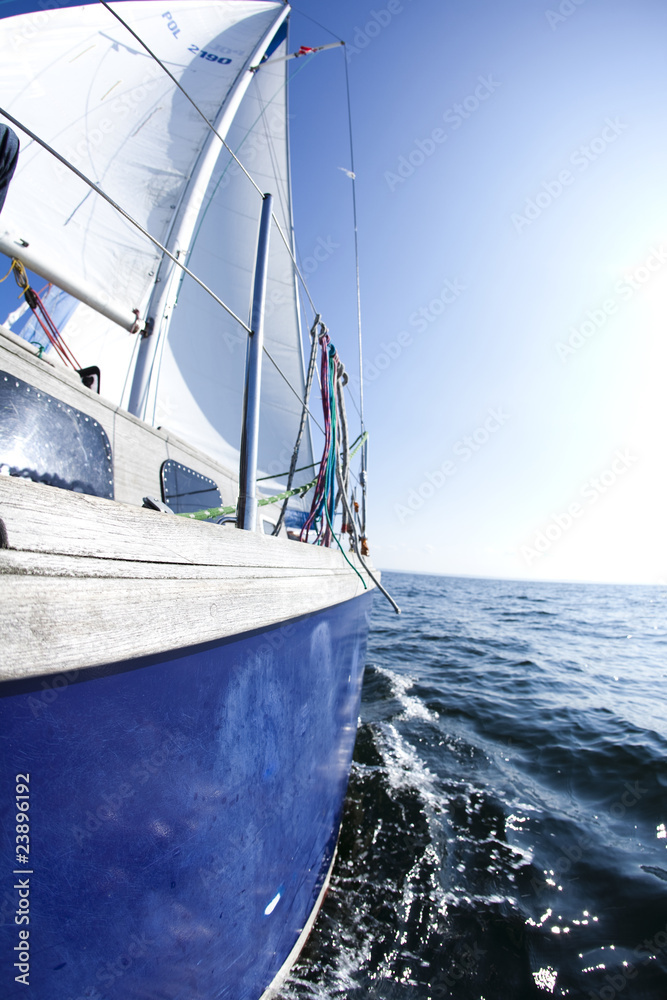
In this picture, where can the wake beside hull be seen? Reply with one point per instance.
(184, 811)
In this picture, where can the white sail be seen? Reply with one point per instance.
(86, 86)
(223, 254)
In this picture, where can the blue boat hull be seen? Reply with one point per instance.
(184, 812)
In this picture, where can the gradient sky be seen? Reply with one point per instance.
(511, 169)
(517, 152)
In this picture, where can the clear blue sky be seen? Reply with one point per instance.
(511, 169)
(518, 152)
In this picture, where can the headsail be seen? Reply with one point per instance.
(223, 253)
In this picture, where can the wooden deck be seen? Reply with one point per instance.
(86, 581)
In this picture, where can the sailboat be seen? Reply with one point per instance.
(185, 588)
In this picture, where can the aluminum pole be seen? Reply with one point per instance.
(246, 508)
(14, 246)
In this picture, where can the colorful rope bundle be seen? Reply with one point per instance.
(322, 508)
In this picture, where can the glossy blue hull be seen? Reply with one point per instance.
(183, 813)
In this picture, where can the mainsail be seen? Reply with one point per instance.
(78, 79)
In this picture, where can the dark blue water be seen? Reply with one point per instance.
(505, 827)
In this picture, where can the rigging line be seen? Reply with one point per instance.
(283, 475)
(184, 92)
(288, 246)
(296, 266)
(122, 212)
(354, 205)
(156, 367)
(352, 399)
(130, 368)
(356, 240)
(343, 550)
(282, 374)
(282, 234)
(328, 30)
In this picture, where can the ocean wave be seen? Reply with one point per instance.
(505, 827)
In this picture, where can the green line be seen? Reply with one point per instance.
(351, 565)
(206, 515)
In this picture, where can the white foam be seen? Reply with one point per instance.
(413, 707)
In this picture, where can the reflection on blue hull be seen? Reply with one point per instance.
(183, 812)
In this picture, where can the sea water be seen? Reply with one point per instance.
(505, 830)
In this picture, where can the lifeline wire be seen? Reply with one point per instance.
(209, 512)
(356, 445)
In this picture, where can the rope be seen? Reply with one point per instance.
(343, 552)
(48, 326)
(319, 519)
(304, 411)
(344, 446)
